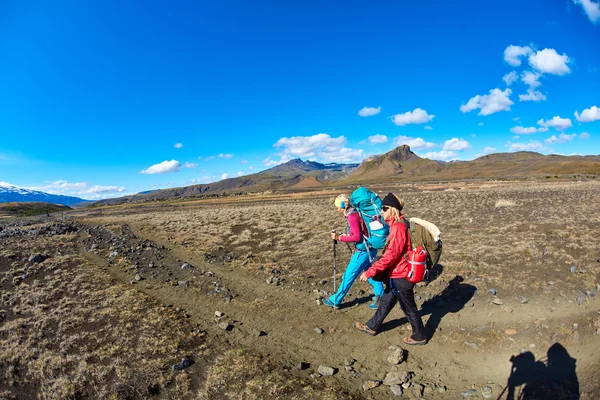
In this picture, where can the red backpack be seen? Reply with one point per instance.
(417, 259)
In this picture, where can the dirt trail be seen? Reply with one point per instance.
(469, 348)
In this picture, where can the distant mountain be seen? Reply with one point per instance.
(283, 176)
(10, 193)
(399, 164)
(399, 161)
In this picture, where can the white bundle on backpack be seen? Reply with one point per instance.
(431, 228)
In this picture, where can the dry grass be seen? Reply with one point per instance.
(484, 233)
(72, 332)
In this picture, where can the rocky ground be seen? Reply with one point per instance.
(107, 304)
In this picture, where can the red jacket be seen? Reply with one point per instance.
(393, 264)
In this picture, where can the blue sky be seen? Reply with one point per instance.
(101, 98)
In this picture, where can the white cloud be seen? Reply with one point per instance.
(531, 79)
(491, 103)
(162, 168)
(320, 146)
(240, 173)
(271, 163)
(532, 95)
(97, 189)
(225, 155)
(591, 8)
(369, 111)
(533, 145)
(548, 61)
(209, 158)
(78, 189)
(480, 124)
(520, 130)
(224, 176)
(199, 157)
(513, 54)
(510, 78)
(562, 138)
(190, 165)
(6, 184)
(178, 145)
(428, 128)
(376, 139)
(456, 144)
(588, 115)
(584, 135)
(309, 146)
(244, 161)
(516, 119)
(344, 155)
(558, 123)
(414, 143)
(443, 155)
(417, 116)
(489, 150)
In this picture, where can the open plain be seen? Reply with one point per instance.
(219, 298)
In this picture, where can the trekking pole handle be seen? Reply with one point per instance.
(333, 231)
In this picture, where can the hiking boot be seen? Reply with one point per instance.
(412, 342)
(329, 303)
(364, 328)
(375, 304)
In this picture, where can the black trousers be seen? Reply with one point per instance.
(403, 292)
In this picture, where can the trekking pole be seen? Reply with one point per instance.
(334, 274)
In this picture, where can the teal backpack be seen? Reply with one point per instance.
(368, 205)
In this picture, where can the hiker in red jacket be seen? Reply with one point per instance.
(393, 268)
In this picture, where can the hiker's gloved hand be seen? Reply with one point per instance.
(335, 236)
(363, 277)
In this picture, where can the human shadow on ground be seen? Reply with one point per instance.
(434, 273)
(554, 377)
(451, 300)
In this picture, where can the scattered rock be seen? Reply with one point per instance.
(259, 333)
(226, 326)
(153, 389)
(573, 269)
(442, 389)
(323, 281)
(473, 345)
(184, 283)
(302, 365)
(326, 371)
(398, 355)
(186, 266)
(369, 385)
(507, 309)
(406, 385)
(469, 393)
(524, 300)
(36, 258)
(319, 331)
(580, 299)
(497, 302)
(396, 378)
(349, 362)
(510, 331)
(492, 291)
(138, 277)
(219, 314)
(418, 390)
(185, 363)
(486, 392)
(396, 390)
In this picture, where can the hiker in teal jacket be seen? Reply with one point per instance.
(360, 261)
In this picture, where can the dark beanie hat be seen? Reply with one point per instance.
(392, 201)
